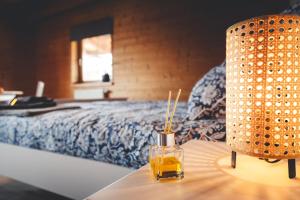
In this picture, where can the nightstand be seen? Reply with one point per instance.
(208, 175)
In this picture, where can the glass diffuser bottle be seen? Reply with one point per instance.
(166, 158)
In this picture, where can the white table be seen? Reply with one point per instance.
(208, 175)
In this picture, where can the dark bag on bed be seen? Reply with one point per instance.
(30, 102)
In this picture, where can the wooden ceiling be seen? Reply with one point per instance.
(31, 11)
(16, 10)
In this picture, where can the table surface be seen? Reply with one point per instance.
(208, 175)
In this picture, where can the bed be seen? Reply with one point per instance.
(113, 132)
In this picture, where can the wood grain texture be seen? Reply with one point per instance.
(208, 175)
(6, 61)
(17, 71)
(157, 45)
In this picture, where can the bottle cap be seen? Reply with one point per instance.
(165, 139)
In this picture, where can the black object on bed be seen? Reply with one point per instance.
(30, 102)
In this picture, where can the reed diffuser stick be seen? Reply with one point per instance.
(168, 112)
(174, 109)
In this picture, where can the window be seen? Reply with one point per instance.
(91, 52)
(96, 58)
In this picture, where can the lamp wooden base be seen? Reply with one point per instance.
(233, 159)
(291, 165)
(292, 168)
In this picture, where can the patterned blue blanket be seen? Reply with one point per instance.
(115, 132)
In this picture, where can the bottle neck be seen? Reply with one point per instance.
(164, 139)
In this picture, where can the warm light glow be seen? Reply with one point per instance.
(256, 171)
(263, 82)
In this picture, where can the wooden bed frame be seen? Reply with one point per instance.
(69, 176)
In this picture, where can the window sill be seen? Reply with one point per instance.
(92, 85)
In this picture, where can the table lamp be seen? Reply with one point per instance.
(263, 89)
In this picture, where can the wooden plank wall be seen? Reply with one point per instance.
(6, 59)
(157, 45)
(17, 71)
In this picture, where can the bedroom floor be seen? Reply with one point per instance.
(15, 190)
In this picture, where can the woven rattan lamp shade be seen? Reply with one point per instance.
(263, 86)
